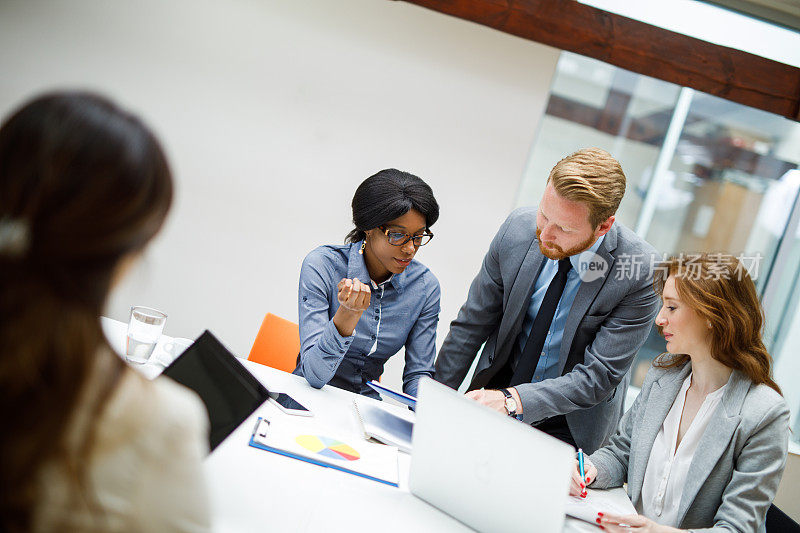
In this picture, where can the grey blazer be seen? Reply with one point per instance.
(609, 321)
(739, 461)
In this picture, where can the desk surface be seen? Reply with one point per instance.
(253, 490)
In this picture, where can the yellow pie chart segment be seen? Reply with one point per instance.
(327, 447)
(311, 443)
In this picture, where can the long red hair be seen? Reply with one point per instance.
(719, 289)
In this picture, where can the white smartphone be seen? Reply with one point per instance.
(289, 405)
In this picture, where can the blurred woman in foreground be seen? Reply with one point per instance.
(87, 443)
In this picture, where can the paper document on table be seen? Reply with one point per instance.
(306, 440)
(598, 501)
(390, 427)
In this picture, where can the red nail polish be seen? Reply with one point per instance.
(598, 520)
(599, 514)
(582, 485)
(587, 479)
(601, 527)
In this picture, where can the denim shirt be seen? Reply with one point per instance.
(403, 311)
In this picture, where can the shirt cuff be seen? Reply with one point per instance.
(332, 342)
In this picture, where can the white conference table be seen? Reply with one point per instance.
(255, 490)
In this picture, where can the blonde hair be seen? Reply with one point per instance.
(593, 177)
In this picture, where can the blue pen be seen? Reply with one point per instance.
(581, 468)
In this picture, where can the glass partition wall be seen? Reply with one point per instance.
(704, 175)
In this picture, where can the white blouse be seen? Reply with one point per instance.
(145, 469)
(668, 468)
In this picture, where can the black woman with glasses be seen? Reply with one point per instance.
(363, 301)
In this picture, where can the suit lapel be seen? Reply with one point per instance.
(586, 294)
(519, 298)
(659, 402)
(715, 439)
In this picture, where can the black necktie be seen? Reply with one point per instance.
(541, 324)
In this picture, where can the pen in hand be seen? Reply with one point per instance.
(581, 470)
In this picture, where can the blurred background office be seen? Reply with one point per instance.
(273, 111)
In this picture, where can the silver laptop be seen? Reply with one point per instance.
(488, 471)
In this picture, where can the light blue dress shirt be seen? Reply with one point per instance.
(547, 367)
(403, 311)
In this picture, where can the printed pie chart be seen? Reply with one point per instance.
(327, 447)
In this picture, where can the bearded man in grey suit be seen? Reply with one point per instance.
(563, 301)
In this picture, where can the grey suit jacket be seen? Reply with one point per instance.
(608, 322)
(739, 461)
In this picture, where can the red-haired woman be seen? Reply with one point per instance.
(704, 444)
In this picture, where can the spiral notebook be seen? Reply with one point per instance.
(385, 426)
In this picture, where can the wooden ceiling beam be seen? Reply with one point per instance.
(639, 47)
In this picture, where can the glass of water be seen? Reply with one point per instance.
(144, 329)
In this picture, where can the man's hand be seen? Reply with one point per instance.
(495, 399)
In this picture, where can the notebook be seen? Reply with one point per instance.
(489, 471)
(597, 501)
(229, 392)
(381, 424)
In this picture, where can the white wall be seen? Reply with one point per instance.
(272, 112)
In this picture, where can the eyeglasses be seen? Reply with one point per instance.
(398, 238)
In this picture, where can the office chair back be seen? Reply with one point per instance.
(277, 343)
(778, 522)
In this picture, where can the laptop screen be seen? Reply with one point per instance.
(228, 390)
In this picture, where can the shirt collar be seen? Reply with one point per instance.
(357, 268)
(575, 260)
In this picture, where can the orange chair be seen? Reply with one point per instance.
(277, 343)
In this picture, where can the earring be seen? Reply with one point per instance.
(708, 323)
(363, 245)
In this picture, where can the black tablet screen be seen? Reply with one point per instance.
(229, 391)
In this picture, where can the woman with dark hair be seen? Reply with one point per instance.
(704, 444)
(360, 303)
(87, 443)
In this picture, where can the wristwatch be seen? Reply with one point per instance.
(511, 405)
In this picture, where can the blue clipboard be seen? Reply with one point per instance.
(394, 395)
(285, 453)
